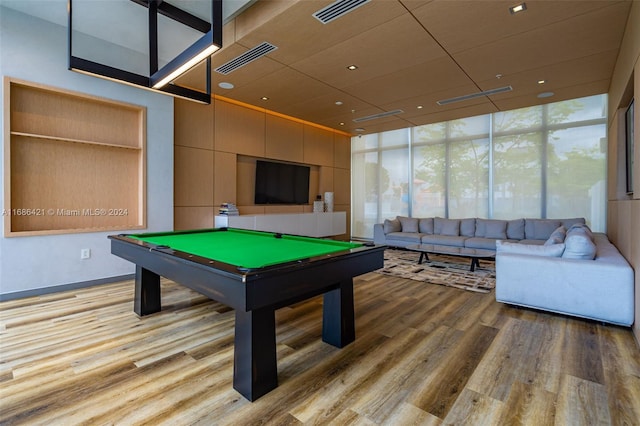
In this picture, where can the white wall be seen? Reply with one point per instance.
(35, 50)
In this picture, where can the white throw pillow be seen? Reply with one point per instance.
(579, 246)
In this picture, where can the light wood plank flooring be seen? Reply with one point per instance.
(424, 354)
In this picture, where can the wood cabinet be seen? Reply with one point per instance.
(72, 162)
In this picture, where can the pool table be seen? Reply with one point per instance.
(255, 273)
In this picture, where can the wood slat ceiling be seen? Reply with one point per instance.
(412, 53)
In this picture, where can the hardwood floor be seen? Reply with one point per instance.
(424, 354)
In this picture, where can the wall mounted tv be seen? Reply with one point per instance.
(281, 183)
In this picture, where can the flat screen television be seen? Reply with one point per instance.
(281, 183)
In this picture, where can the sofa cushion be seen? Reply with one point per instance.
(491, 228)
(540, 229)
(579, 246)
(410, 237)
(426, 225)
(568, 223)
(480, 243)
(554, 250)
(468, 227)
(444, 240)
(515, 229)
(557, 236)
(409, 224)
(443, 226)
(391, 225)
(532, 242)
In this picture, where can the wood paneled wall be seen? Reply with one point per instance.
(216, 148)
(623, 210)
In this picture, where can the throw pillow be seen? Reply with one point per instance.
(391, 225)
(426, 225)
(539, 229)
(554, 250)
(515, 229)
(557, 236)
(580, 229)
(496, 229)
(579, 247)
(443, 226)
(409, 224)
(468, 227)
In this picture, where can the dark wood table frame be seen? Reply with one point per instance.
(474, 254)
(255, 295)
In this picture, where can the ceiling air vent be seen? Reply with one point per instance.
(249, 56)
(380, 115)
(475, 95)
(337, 9)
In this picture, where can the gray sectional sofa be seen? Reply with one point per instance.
(470, 232)
(556, 265)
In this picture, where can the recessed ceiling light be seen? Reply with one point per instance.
(352, 67)
(518, 8)
(225, 85)
(342, 123)
(338, 102)
(419, 107)
(264, 98)
(542, 81)
(545, 95)
(359, 129)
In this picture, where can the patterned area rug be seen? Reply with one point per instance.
(450, 271)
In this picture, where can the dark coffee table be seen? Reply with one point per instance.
(474, 254)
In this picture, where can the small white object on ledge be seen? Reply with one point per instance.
(328, 201)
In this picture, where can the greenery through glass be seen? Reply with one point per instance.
(540, 161)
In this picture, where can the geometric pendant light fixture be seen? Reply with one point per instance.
(146, 43)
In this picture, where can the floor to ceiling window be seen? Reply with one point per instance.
(544, 161)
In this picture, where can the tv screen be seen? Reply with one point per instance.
(281, 183)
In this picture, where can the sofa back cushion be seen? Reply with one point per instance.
(449, 227)
(515, 229)
(468, 227)
(409, 224)
(391, 225)
(568, 223)
(491, 228)
(540, 229)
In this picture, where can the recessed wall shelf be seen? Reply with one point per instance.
(72, 162)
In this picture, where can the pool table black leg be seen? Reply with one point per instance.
(255, 369)
(147, 292)
(338, 321)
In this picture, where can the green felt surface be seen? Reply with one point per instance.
(244, 248)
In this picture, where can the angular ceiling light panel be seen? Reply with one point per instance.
(338, 9)
(173, 41)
